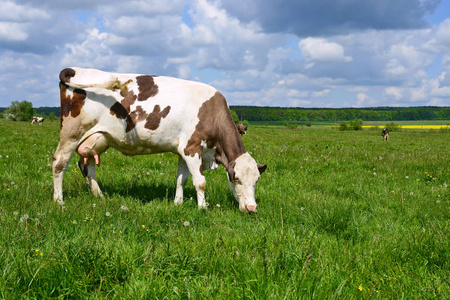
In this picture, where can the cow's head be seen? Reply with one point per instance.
(243, 173)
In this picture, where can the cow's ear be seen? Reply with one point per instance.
(231, 173)
(262, 168)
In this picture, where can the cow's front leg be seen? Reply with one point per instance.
(182, 177)
(194, 165)
(61, 159)
(88, 171)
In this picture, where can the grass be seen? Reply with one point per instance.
(340, 215)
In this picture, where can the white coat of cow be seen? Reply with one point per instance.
(141, 114)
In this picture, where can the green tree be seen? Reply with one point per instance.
(52, 116)
(235, 116)
(22, 111)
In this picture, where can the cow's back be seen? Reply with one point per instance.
(140, 114)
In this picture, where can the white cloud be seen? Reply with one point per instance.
(12, 32)
(318, 49)
(393, 93)
(253, 58)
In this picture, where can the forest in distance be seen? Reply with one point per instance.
(269, 114)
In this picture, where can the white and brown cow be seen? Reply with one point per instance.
(39, 120)
(385, 134)
(140, 114)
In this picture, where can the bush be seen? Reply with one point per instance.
(344, 126)
(356, 124)
(393, 127)
(352, 125)
(22, 111)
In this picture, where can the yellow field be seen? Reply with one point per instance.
(418, 126)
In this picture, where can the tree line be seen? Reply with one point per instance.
(24, 111)
(254, 113)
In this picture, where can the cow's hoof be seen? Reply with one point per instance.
(203, 206)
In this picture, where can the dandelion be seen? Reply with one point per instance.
(94, 205)
(186, 223)
(412, 193)
(15, 213)
(406, 177)
(218, 205)
(302, 208)
(123, 207)
(374, 174)
(143, 226)
(24, 218)
(108, 214)
(74, 222)
(360, 288)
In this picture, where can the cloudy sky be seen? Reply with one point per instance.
(289, 53)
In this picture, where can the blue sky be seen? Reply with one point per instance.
(289, 53)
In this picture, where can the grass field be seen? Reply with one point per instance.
(341, 215)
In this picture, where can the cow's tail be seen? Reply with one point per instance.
(112, 85)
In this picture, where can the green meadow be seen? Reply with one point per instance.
(341, 215)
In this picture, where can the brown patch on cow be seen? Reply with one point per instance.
(66, 74)
(59, 167)
(119, 110)
(147, 87)
(139, 114)
(122, 110)
(154, 118)
(217, 128)
(71, 105)
(128, 99)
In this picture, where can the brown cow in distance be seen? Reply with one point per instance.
(242, 129)
(385, 134)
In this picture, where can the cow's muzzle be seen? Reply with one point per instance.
(251, 208)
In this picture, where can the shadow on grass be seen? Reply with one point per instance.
(146, 192)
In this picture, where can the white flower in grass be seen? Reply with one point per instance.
(15, 213)
(406, 177)
(186, 223)
(123, 207)
(302, 208)
(412, 193)
(218, 205)
(93, 205)
(108, 214)
(374, 173)
(24, 218)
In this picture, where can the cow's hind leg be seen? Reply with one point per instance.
(61, 159)
(88, 171)
(182, 177)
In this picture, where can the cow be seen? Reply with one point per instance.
(142, 114)
(385, 134)
(242, 129)
(39, 120)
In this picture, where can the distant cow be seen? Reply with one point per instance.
(39, 120)
(140, 114)
(242, 129)
(385, 134)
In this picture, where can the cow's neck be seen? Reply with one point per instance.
(229, 145)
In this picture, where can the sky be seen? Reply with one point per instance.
(285, 53)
